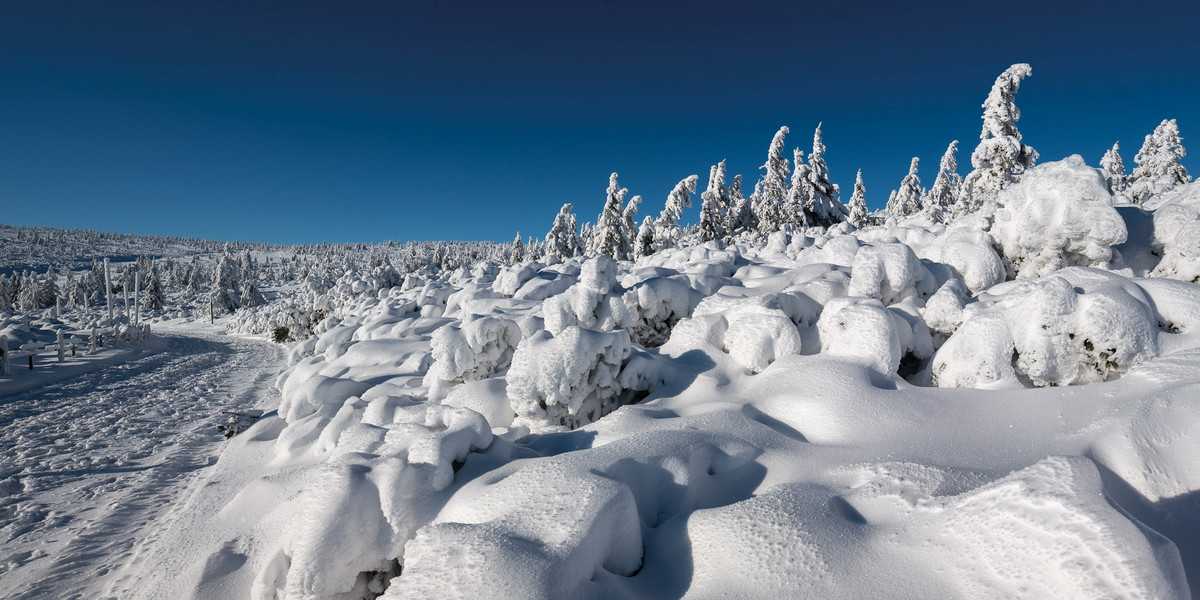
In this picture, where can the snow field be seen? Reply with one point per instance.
(756, 421)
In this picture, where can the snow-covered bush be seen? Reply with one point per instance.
(1177, 233)
(1076, 326)
(889, 273)
(1060, 214)
(968, 251)
(475, 349)
(863, 330)
(569, 379)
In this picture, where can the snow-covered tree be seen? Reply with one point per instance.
(223, 291)
(154, 298)
(48, 294)
(739, 217)
(629, 227)
(1000, 158)
(858, 203)
(713, 207)
(251, 296)
(609, 230)
(907, 200)
(666, 227)
(767, 200)
(563, 239)
(517, 254)
(944, 193)
(1158, 168)
(798, 192)
(5, 294)
(645, 238)
(1114, 169)
(824, 207)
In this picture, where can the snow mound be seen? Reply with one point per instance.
(475, 349)
(1059, 214)
(863, 330)
(1177, 233)
(569, 379)
(889, 273)
(1076, 326)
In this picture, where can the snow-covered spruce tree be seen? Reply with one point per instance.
(824, 207)
(563, 239)
(1114, 170)
(644, 246)
(5, 294)
(1000, 158)
(609, 230)
(858, 203)
(798, 192)
(517, 254)
(944, 193)
(907, 200)
(223, 291)
(1158, 168)
(739, 217)
(251, 296)
(629, 227)
(585, 239)
(48, 294)
(153, 298)
(713, 205)
(766, 202)
(666, 227)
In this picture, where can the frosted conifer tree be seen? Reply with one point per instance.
(609, 230)
(629, 227)
(666, 228)
(858, 203)
(517, 254)
(767, 200)
(907, 200)
(739, 216)
(1158, 168)
(1000, 158)
(824, 207)
(251, 296)
(48, 294)
(798, 192)
(1114, 169)
(563, 240)
(713, 206)
(5, 294)
(154, 299)
(944, 193)
(644, 245)
(223, 292)
(586, 235)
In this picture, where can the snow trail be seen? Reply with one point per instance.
(91, 461)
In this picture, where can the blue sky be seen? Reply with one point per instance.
(367, 121)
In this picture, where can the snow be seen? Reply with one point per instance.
(1001, 405)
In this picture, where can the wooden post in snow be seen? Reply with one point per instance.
(62, 347)
(108, 290)
(137, 297)
(3, 355)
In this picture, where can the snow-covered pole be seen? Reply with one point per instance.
(108, 290)
(92, 341)
(125, 295)
(57, 307)
(62, 349)
(137, 297)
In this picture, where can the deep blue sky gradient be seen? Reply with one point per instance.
(374, 120)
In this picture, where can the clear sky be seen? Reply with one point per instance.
(305, 121)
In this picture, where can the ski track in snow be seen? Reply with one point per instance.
(90, 462)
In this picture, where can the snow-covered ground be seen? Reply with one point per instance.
(995, 398)
(94, 462)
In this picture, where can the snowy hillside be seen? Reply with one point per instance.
(989, 389)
